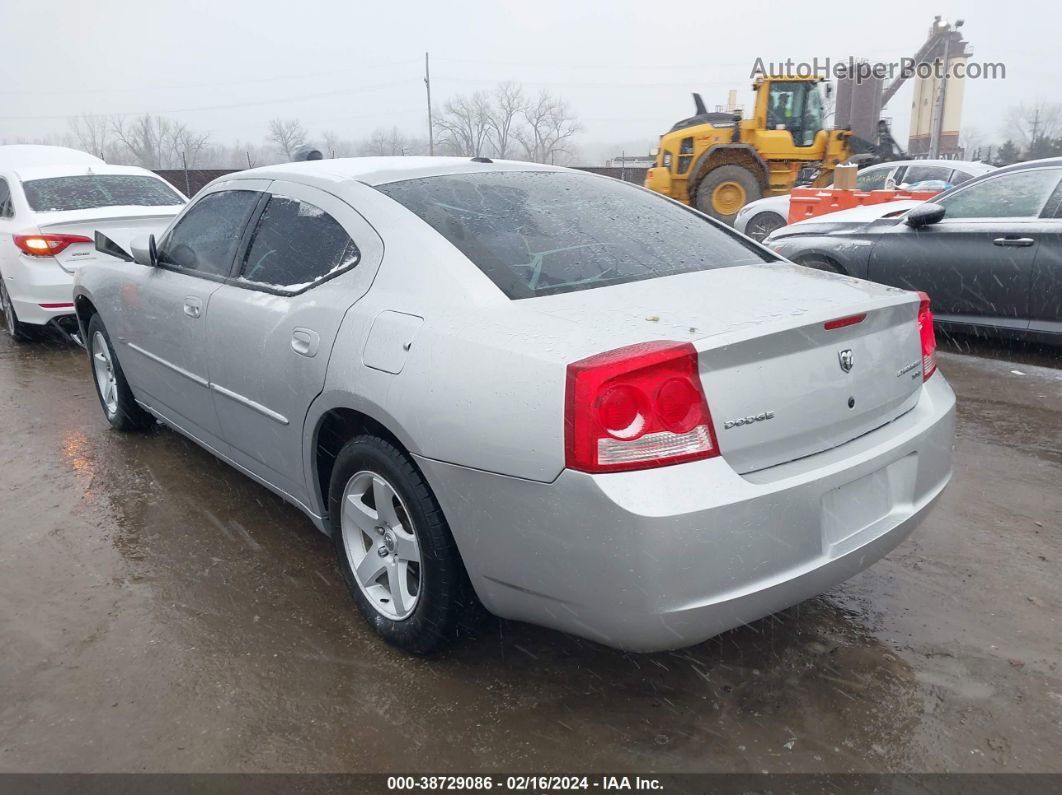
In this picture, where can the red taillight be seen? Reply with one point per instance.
(636, 407)
(929, 339)
(47, 245)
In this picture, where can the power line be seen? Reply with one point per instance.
(226, 106)
(250, 81)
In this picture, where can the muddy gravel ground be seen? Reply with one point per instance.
(160, 612)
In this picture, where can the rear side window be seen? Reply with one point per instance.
(88, 191)
(206, 237)
(1019, 194)
(296, 244)
(5, 199)
(872, 179)
(918, 174)
(544, 232)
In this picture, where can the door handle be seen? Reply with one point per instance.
(193, 307)
(1017, 242)
(305, 342)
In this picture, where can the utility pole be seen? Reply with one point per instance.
(187, 184)
(1035, 132)
(427, 84)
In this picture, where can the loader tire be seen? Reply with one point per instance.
(725, 190)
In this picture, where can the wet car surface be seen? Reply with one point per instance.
(161, 612)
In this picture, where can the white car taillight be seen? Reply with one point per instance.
(47, 245)
(636, 407)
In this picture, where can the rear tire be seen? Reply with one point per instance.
(762, 224)
(116, 398)
(400, 563)
(20, 332)
(725, 190)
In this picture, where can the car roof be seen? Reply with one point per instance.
(1049, 162)
(14, 156)
(78, 169)
(974, 167)
(381, 170)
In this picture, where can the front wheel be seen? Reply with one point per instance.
(725, 190)
(820, 264)
(116, 398)
(762, 224)
(395, 549)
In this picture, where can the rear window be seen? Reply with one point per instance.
(541, 233)
(88, 191)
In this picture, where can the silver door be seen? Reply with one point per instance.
(163, 345)
(272, 329)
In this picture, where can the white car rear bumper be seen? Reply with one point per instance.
(40, 290)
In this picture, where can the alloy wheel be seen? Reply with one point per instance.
(103, 369)
(381, 545)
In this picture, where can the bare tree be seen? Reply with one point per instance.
(550, 124)
(1031, 125)
(157, 142)
(385, 142)
(287, 135)
(504, 116)
(334, 146)
(463, 125)
(971, 141)
(92, 132)
(186, 145)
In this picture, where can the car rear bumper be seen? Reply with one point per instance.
(40, 290)
(666, 558)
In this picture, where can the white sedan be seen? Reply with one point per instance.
(52, 201)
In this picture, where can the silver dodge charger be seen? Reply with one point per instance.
(542, 392)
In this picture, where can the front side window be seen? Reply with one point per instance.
(542, 232)
(1021, 194)
(795, 106)
(296, 244)
(206, 237)
(89, 191)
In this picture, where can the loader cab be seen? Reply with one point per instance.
(794, 105)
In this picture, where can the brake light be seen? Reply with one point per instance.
(929, 338)
(843, 322)
(636, 407)
(47, 245)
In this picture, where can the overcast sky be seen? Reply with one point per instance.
(627, 68)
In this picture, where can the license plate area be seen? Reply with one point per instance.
(863, 509)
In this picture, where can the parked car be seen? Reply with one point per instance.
(553, 393)
(52, 200)
(989, 251)
(759, 218)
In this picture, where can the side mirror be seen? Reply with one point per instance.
(924, 215)
(145, 251)
(107, 246)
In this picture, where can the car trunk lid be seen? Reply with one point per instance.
(120, 224)
(780, 385)
(789, 393)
